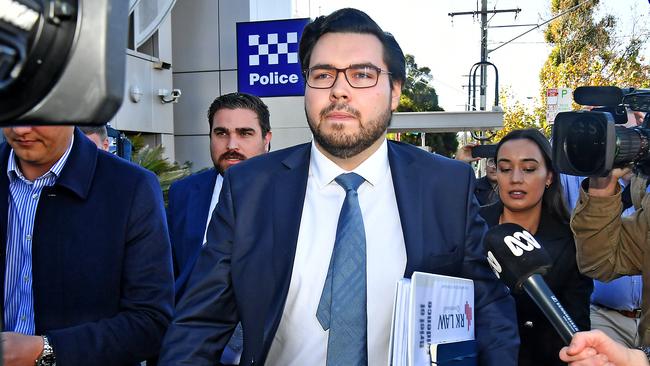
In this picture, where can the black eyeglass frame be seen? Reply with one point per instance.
(344, 71)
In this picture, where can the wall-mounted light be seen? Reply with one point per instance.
(135, 93)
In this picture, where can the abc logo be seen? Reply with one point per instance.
(520, 242)
(496, 267)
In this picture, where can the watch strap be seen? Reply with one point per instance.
(47, 357)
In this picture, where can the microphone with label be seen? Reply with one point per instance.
(519, 261)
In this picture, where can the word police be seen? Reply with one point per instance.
(273, 78)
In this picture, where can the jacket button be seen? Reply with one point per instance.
(528, 324)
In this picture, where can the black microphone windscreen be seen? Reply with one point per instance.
(598, 95)
(514, 254)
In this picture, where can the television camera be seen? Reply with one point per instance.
(592, 143)
(62, 61)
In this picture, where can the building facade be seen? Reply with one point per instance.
(194, 51)
(190, 46)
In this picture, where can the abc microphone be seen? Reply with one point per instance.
(519, 261)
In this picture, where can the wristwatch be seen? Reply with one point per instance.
(47, 357)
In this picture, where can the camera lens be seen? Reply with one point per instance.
(631, 145)
(585, 144)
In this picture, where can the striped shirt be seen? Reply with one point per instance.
(23, 201)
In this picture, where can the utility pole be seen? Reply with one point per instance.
(484, 38)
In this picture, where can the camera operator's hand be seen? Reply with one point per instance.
(464, 153)
(606, 186)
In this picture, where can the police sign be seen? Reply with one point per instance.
(267, 58)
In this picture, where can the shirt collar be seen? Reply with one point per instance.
(14, 172)
(373, 169)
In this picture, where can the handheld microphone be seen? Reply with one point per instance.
(519, 261)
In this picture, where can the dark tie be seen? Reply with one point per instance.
(342, 307)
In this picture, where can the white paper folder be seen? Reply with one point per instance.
(429, 309)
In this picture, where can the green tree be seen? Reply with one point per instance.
(591, 51)
(586, 50)
(516, 116)
(419, 96)
(151, 158)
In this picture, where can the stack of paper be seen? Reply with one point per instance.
(429, 310)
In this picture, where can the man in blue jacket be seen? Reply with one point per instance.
(307, 257)
(239, 130)
(85, 260)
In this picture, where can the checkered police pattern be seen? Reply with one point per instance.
(272, 49)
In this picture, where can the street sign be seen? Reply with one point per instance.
(557, 100)
(267, 58)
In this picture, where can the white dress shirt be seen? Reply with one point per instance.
(300, 339)
(213, 203)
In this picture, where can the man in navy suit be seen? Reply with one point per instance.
(270, 244)
(239, 129)
(85, 263)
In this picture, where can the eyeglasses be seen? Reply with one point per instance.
(491, 163)
(323, 77)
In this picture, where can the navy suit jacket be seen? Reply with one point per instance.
(102, 272)
(187, 215)
(244, 271)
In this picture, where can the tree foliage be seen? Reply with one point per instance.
(515, 116)
(151, 158)
(419, 96)
(587, 49)
(591, 51)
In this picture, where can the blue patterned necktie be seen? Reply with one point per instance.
(342, 307)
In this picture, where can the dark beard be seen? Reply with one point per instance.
(345, 146)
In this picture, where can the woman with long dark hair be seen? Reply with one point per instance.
(530, 195)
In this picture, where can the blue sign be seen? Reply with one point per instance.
(267, 58)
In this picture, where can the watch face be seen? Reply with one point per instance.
(47, 360)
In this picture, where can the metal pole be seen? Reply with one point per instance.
(483, 54)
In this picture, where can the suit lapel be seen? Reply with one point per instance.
(408, 187)
(289, 187)
(198, 206)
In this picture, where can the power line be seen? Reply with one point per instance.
(520, 42)
(483, 64)
(512, 25)
(478, 12)
(454, 88)
(541, 24)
